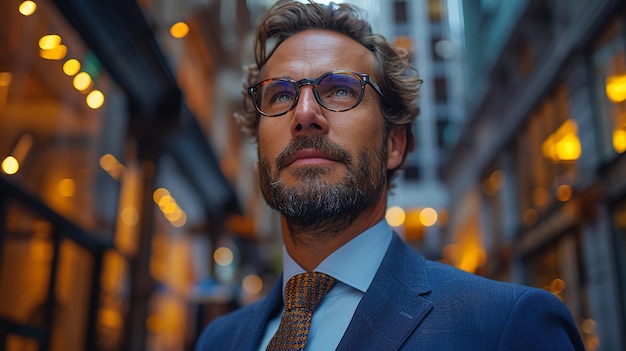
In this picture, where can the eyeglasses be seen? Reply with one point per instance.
(336, 91)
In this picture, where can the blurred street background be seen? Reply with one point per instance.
(130, 214)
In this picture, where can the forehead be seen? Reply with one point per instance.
(310, 53)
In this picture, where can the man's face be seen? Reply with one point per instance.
(317, 165)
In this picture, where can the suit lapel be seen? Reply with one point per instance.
(259, 318)
(392, 306)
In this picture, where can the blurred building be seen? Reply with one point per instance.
(537, 181)
(113, 196)
(432, 33)
(130, 214)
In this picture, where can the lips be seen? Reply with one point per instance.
(312, 150)
(308, 156)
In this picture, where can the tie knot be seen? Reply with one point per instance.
(306, 290)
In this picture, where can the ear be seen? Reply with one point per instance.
(396, 146)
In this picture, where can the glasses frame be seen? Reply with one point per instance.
(365, 79)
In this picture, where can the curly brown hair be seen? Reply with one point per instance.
(397, 78)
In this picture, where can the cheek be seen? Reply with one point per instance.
(359, 133)
(270, 140)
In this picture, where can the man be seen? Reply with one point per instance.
(332, 111)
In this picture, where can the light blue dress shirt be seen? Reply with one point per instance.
(354, 266)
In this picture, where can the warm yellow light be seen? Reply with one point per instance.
(395, 216)
(619, 140)
(156, 324)
(223, 256)
(428, 217)
(169, 207)
(110, 318)
(568, 148)
(129, 215)
(530, 216)
(66, 187)
(49, 42)
(58, 53)
(589, 326)
(82, 81)
(557, 286)
(616, 88)
(252, 284)
(10, 165)
(471, 258)
(180, 221)
(107, 161)
(179, 30)
(23, 146)
(564, 192)
(159, 193)
(540, 196)
(404, 42)
(174, 214)
(27, 8)
(466, 255)
(5, 79)
(563, 144)
(71, 67)
(164, 200)
(95, 99)
(413, 227)
(110, 164)
(493, 183)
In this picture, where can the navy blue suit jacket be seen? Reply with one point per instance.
(417, 304)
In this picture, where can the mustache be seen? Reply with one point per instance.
(330, 149)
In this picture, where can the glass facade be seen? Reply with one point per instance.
(609, 59)
(110, 198)
(62, 136)
(58, 115)
(547, 150)
(112, 234)
(619, 235)
(550, 122)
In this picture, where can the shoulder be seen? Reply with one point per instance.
(539, 320)
(520, 317)
(473, 291)
(442, 281)
(443, 275)
(243, 327)
(450, 282)
(227, 331)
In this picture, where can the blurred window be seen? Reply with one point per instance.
(436, 10)
(609, 59)
(441, 89)
(62, 138)
(558, 268)
(619, 229)
(400, 14)
(547, 152)
(55, 101)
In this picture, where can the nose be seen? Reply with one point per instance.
(308, 117)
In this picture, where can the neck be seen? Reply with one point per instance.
(309, 246)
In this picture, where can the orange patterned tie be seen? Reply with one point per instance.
(302, 294)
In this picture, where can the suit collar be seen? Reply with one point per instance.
(393, 305)
(260, 316)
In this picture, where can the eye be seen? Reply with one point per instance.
(281, 97)
(339, 87)
(343, 92)
(277, 93)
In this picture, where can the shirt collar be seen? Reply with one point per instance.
(353, 264)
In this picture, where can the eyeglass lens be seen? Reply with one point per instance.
(336, 91)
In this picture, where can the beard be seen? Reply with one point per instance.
(315, 204)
